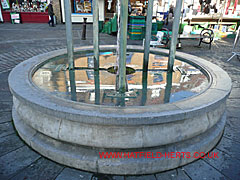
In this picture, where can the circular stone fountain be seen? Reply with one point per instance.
(72, 127)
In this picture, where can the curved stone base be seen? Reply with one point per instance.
(88, 159)
(73, 133)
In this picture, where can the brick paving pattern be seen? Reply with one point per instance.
(19, 42)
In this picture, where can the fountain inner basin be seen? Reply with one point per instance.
(83, 84)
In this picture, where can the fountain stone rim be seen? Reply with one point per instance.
(25, 90)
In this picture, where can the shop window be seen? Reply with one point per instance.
(25, 5)
(82, 6)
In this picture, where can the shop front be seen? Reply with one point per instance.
(83, 9)
(24, 11)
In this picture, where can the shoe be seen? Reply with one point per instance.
(53, 26)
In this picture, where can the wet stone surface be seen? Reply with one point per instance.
(20, 162)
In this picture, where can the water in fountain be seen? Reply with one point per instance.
(93, 87)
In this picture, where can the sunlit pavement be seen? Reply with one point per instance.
(19, 42)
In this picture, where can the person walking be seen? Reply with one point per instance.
(51, 14)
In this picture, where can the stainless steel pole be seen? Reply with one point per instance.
(168, 87)
(96, 33)
(148, 34)
(68, 23)
(123, 45)
(72, 84)
(175, 29)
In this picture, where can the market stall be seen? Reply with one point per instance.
(83, 9)
(25, 11)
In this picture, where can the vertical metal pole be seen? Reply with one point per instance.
(175, 29)
(144, 88)
(96, 34)
(97, 87)
(84, 28)
(72, 84)
(123, 45)
(68, 23)
(168, 87)
(148, 34)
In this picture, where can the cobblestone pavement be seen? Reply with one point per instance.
(19, 42)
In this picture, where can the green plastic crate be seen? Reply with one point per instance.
(154, 27)
(109, 27)
(114, 23)
(159, 25)
(136, 19)
(100, 26)
(135, 36)
(135, 29)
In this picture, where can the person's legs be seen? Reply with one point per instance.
(52, 20)
(49, 21)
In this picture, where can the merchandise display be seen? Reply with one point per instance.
(28, 6)
(82, 6)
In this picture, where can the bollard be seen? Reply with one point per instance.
(84, 29)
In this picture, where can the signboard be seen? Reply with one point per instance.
(1, 18)
(5, 4)
(15, 17)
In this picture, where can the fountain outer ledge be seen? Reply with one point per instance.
(73, 133)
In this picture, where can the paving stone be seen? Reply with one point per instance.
(233, 111)
(4, 77)
(6, 129)
(118, 178)
(73, 174)
(233, 122)
(229, 147)
(232, 133)
(233, 102)
(16, 48)
(235, 84)
(176, 174)
(227, 165)
(10, 143)
(235, 93)
(200, 170)
(143, 177)
(5, 117)
(41, 169)
(6, 106)
(15, 161)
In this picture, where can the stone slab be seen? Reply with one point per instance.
(5, 117)
(15, 161)
(225, 164)
(143, 177)
(233, 122)
(229, 147)
(5, 96)
(232, 133)
(233, 103)
(176, 174)
(233, 111)
(73, 174)
(10, 143)
(42, 169)
(6, 106)
(235, 93)
(6, 129)
(200, 170)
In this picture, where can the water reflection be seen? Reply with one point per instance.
(99, 87)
